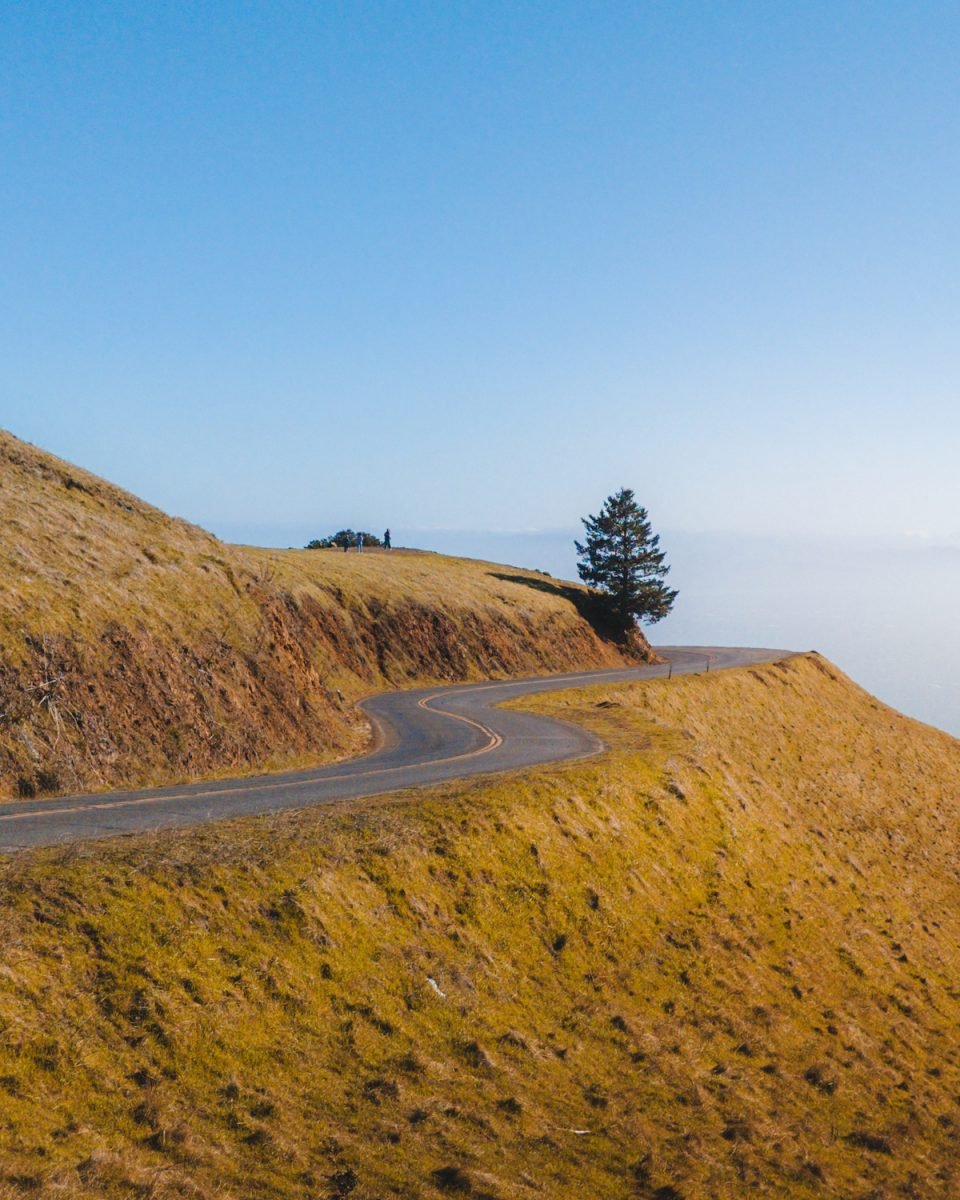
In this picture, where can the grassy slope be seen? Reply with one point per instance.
(727, 953)
(136, 648)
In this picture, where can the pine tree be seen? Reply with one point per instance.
(621, 558)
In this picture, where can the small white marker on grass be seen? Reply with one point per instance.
(436, 987)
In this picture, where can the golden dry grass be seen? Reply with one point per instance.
(138, 649)
(720, 961)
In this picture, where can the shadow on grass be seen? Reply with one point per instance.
(588, 604)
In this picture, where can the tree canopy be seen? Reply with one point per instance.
(345, 537)
(621, 559)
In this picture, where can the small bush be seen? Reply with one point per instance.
(452, 1179)
(868, 1141)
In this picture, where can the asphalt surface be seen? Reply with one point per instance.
(424, 737)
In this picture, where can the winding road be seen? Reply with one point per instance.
(423, 737)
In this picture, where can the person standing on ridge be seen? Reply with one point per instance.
(359, 543)
(386, 540)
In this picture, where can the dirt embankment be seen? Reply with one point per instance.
(135, 648)
(721, 961)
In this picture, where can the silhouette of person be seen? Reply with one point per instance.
(386, 540)
(359, 543)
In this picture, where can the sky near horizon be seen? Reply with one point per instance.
(285, 267)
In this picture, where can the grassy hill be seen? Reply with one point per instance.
(720, 961)
(136, 648)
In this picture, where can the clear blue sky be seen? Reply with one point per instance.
(280, 266)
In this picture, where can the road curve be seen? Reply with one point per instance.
(425, 736)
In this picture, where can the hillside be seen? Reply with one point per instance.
(136, 648)
(719, 962)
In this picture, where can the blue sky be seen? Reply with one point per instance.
(281, 267)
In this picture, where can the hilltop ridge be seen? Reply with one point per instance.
(137, 648)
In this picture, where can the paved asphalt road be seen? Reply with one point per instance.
(425, 736)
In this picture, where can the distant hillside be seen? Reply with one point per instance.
(137, 648)
(720, 962)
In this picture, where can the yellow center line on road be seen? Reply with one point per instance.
(495, 738)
